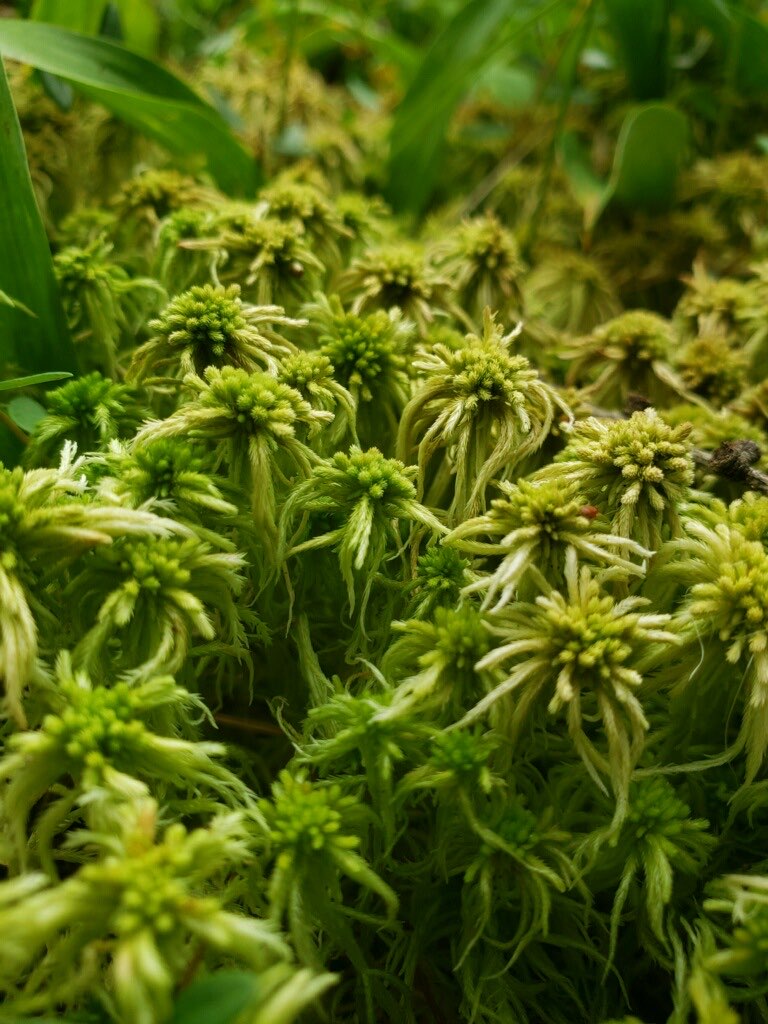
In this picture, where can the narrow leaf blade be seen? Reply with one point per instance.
(641, 30)
(733, 26)
(137, 90)
(26, 269)
(590, 191)
(34, 378)
(444, 76)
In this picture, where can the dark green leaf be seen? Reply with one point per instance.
(11, 451)
(219, 998)
(111, 26)
(137, 90)
(641, 30)
(650, 152)
(26, 270)
(342, 20)
(25, 412)
(137, 21)
(60, 92)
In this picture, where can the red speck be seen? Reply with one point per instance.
(589, 511)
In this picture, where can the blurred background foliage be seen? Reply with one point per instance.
(443, 107)
(432, 63)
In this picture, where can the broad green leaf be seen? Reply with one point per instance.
(641, 30)
(650, 152)
(25, 412)
(467, 43)
(137, 90)
(218, 998)
(35, 378)
(26, 269)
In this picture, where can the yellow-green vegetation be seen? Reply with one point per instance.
(384, 512)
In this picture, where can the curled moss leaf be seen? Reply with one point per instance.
(483, 262)
(629, 354)
(585, 654)
(478, 413)
(368, 496)
(212, 326)
(399, 274)
(123, 912)
(247, 420)
(531, 528)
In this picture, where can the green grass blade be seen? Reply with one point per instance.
(445, 75)
(26, 270)
(641, 30)
(35, 378)
(139, 91)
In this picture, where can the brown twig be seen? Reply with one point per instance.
(734, 460)
(249, 725)
(6, 420)
(192, 967)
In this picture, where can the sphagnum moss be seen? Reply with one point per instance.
(484, 635)
(478, 413)
(637, 472)
(212, 326)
